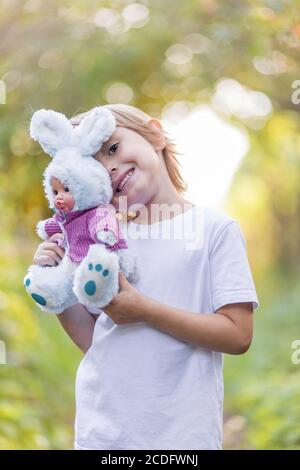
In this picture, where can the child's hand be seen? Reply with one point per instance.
(127, 305)
(48, 252)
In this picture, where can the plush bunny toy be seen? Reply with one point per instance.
(79, 190)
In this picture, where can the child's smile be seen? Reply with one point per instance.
(122, 181)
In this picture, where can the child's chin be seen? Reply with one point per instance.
(121, 203)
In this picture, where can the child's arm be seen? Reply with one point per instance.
(228, 330)
(79, 325)
(230, 325)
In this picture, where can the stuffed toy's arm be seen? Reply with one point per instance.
(46, 228)
(103, 226)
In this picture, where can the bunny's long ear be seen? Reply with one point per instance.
(95, 129)
(52, 130)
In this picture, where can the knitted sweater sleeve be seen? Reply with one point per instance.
(46, 228)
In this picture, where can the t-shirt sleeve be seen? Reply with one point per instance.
(231, 277)
(94, 310)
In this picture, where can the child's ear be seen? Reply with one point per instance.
(156, 123)
(159, 141)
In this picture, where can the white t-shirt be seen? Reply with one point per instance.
(138, 387)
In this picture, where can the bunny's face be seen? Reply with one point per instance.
(72, 150)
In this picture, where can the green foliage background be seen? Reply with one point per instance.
(55, 54)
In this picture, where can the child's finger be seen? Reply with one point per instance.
(51, 254)
(123, 283)
(56, 236)
(55, 248)
(44, 260)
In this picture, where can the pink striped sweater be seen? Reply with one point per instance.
(80, 229)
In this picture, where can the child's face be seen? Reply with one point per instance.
(126, 150)
(63, 199)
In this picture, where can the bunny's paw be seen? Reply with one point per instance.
(96, 279)
(42, 298)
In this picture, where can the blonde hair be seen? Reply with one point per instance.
(137, 120)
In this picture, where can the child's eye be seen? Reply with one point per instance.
(54, 192)
(67, 189)
(113, 146)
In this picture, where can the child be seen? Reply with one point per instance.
(151, 377)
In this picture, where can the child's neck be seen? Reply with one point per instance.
(158, 209)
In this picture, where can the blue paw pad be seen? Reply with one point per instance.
(90, 288)
(27, 282)
(98, 267)
(39, 299)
